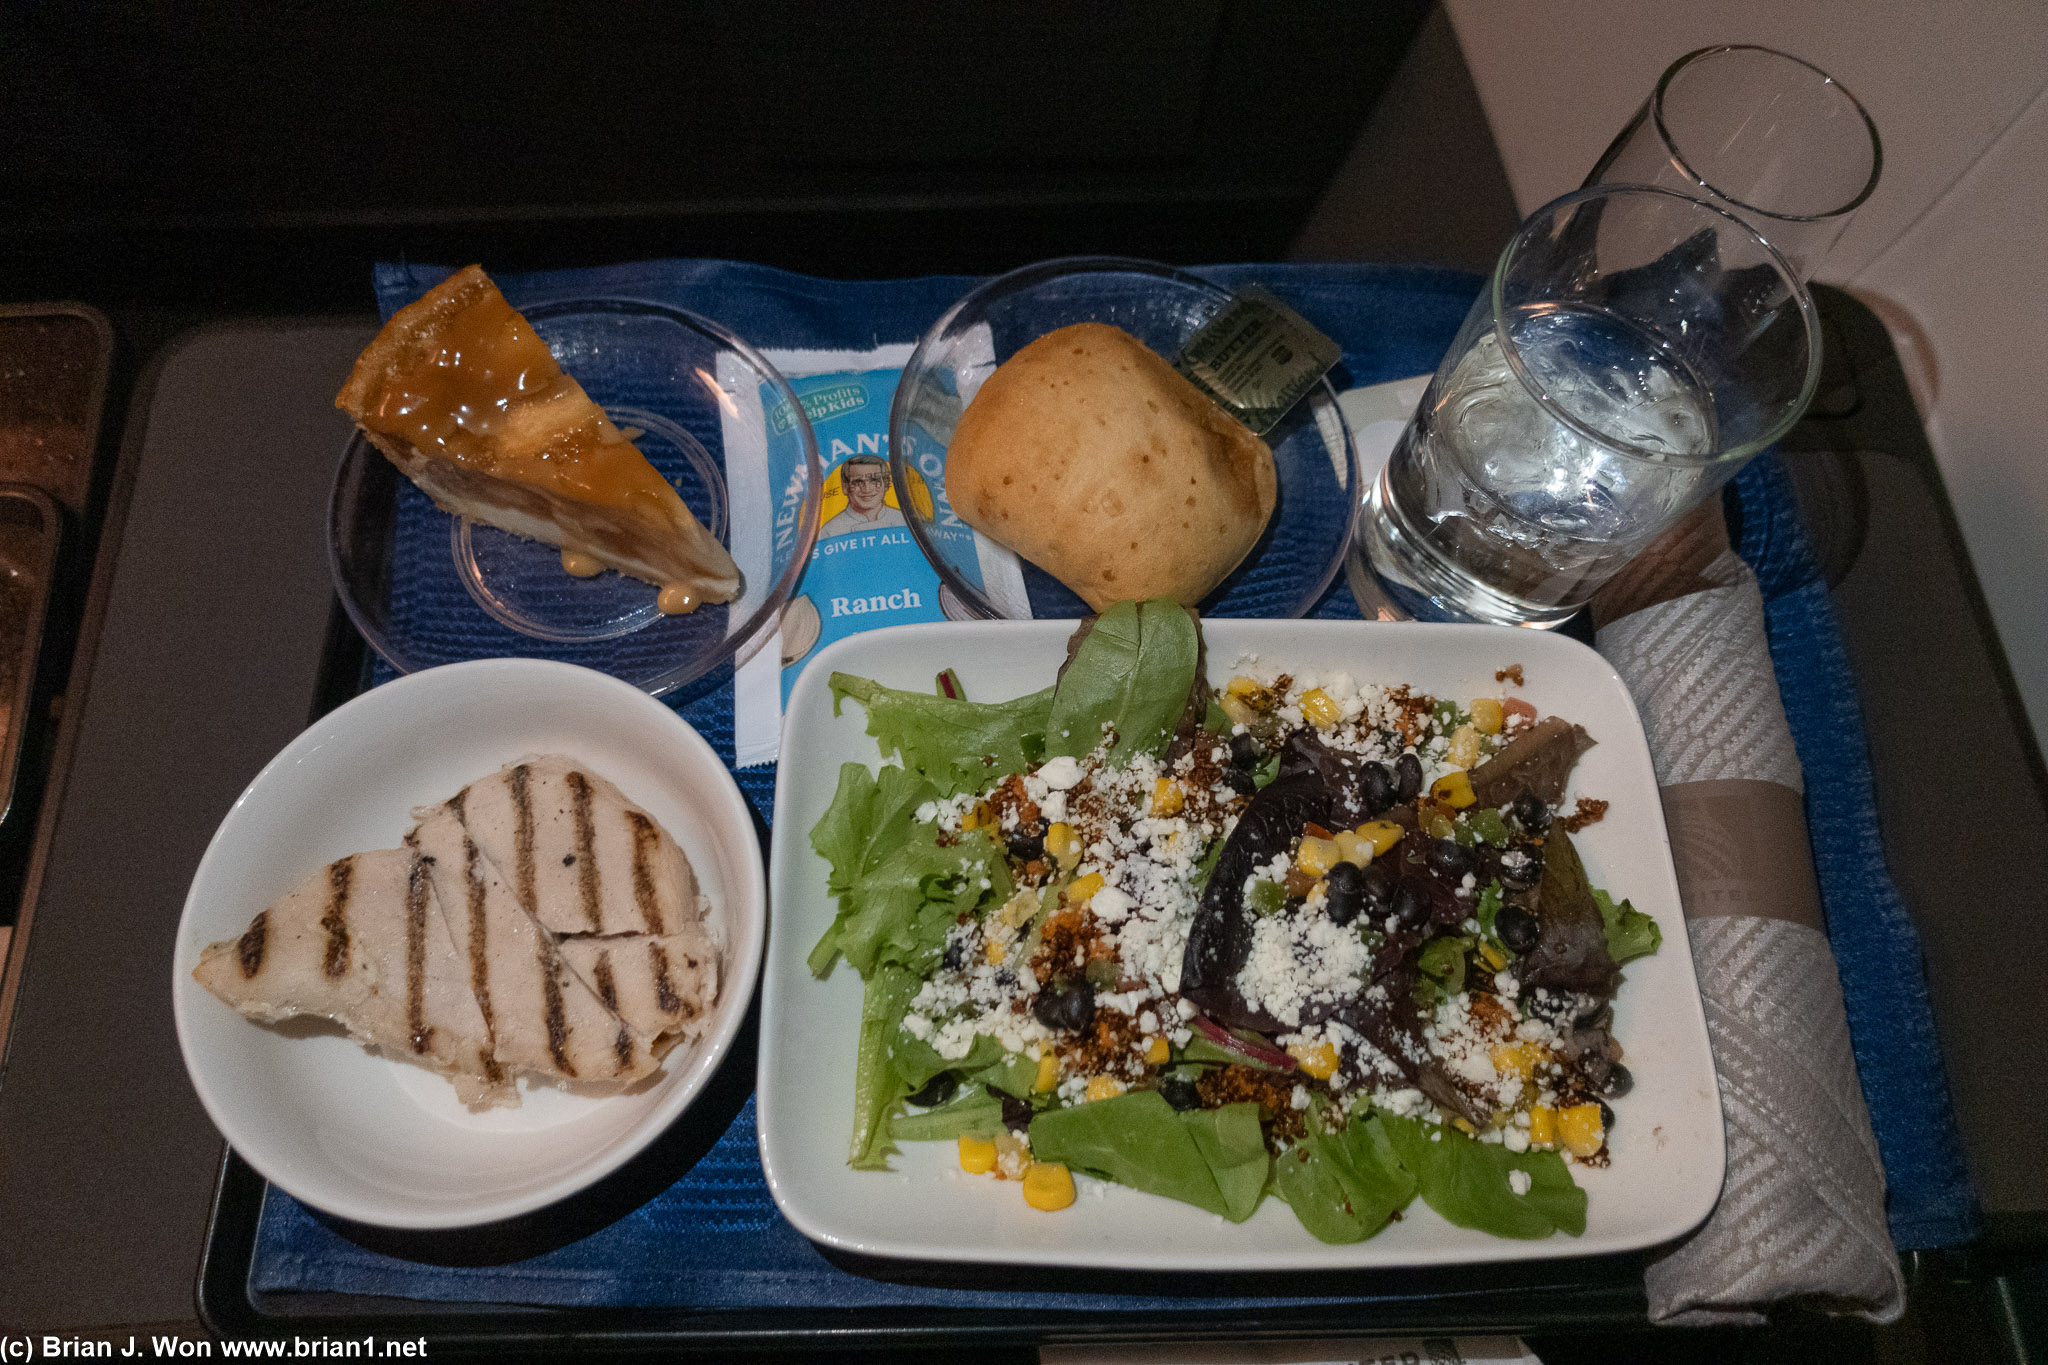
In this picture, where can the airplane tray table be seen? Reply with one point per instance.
(246, 1288)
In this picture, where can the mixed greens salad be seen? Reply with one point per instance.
(1293, 936)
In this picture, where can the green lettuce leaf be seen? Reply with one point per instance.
(901, 891)
(972, 1113)
(1442, 960)
(1137, 1139)
(1133, 672)
(1466, 1181)
(1630, 932)
(877, 1090)
(1231, 1141)
(1343, 1185)
(955, 745)
(870, 818)
(917, 1061)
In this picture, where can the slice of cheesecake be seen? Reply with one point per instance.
(462, 395)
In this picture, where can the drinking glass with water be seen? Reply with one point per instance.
(1634, 347)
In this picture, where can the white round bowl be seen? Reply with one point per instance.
(384, 1142)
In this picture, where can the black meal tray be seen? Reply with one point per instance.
(1572, 1294)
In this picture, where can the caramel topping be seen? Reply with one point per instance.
(677, 599)
(486, 376)
(581, 565)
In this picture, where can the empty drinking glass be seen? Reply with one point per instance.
(1773, 139)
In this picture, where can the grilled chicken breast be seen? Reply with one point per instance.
(659, 984)
(538, 922)
(360, 942)
(580, 856)
(541, 1015)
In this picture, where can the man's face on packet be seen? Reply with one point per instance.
(866, 485)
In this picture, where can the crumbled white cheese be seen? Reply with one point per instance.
(1060, 774)
(1519, 1181)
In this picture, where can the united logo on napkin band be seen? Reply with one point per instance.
(1257, 358)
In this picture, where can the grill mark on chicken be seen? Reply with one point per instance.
(557, 1017)
(622, 1048)
(586, 850)
(249, 950)
(339, 875)
(417, 888)
(479, 946)
(522, 835)
(607, 986)
(664, 989)
(646, 841)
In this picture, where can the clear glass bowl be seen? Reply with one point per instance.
(1320, 484)
(426, 588)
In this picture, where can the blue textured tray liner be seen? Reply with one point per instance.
(714, 1239)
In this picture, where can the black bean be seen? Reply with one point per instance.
(1028, 845)
(1067, 1005)
(1377, 886)
(1620, 1080)
(1345, 888)
(1516, 928)
(1180, 1093)
(1411, 904)
(1244, 753)
(1520, 869)
(1529, 810)
(1017, 1113)
(937, 1090)
(1449, 857)
(955, 956)
(1376, 787)
(1407, 777)
(1606, 1118)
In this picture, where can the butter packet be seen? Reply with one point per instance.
(1257, 359)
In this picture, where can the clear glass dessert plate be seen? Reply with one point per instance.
(426, 588)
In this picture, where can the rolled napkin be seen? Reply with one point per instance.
(1801, 1214)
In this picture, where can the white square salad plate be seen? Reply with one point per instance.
(1666, 1144)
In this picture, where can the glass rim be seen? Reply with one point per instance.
(1686, 169)
(1809, 315)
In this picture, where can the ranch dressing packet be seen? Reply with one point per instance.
(865, 571)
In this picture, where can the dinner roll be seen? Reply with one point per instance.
(1099, 462)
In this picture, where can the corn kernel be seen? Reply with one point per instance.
(1104, 1087)
(1492, 956)
(982, 814)
(1241, 686)
(1060, 840)
(1454, 789)
(977, 1155)
(1237, 708)
(993, 953)
(1580, 1129)
(1082, 889)
(1317, 1059)
(1381, 834)
(1316, 856)
(1464, 1125)
(1167, 797)
(1542, 1126)
(1320, 708)
(1488, 715)
(1517, 1059)
(1048, 1072)
(1048, 1185)
(1013, 1155)
(1158, 1052)
(1464, 750)
(1351, 848)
